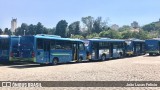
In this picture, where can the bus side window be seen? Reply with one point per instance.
(40, 43)
(81, 46)
(59, 45)
(67, 45)
(53, 46)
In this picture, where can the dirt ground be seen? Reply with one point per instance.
(140, 68)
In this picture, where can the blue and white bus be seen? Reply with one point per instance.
(153, 46)
(104, 48)
(135, 47)
(8, 47)
(50, 49)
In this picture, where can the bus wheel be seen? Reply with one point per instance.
(55, 61)
(103, 57)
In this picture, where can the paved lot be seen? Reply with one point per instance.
(141, 68)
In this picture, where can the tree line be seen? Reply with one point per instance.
(90, 28)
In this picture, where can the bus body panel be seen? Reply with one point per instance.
(4, 48)
(8, 48)
(153, 46)
(14, 48)
(45, 49)
(111, 48)
(135, 47)
(63, 55)
(26, 49)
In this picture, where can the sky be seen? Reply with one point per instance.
(49, 12)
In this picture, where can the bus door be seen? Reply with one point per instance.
(138, 48)
(134, 48)
(82, 51)
(96, 50)
(141, 48)
(40, 50)
(75, 51)
(47, 50)
(111, 50)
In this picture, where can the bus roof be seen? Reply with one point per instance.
(135, 40)
(154, 39)
(48, 35)
(106, 40)
(5, 36)
(56, 38)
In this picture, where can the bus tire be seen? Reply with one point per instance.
(55, 61)
(103, 57)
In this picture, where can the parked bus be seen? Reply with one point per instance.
(153, 46)
(50, 49)
(102, 49)
(8, 47)
(135, 47)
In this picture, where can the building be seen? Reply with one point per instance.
(13, 25)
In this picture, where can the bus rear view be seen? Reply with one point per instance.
(4, 48)
(27, 48)
(153, 47)
(14, 48)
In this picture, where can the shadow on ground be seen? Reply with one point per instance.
(24, 65)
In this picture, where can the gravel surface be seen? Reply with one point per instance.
(140, 68)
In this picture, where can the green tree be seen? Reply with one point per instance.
(94, 35)
(113, 34)
(18, 31)
(7, 31)
(149, 27)
(39, 28)
(97, 26)
(124, 28)
(74, 28)
(1, 32)
(127, 35)
(88, 22)
(32, 29)
(143, 35)
(77, 37)
(61, 28)
(51, 31)
(45, 30)
(22, 30)
(84, 34)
